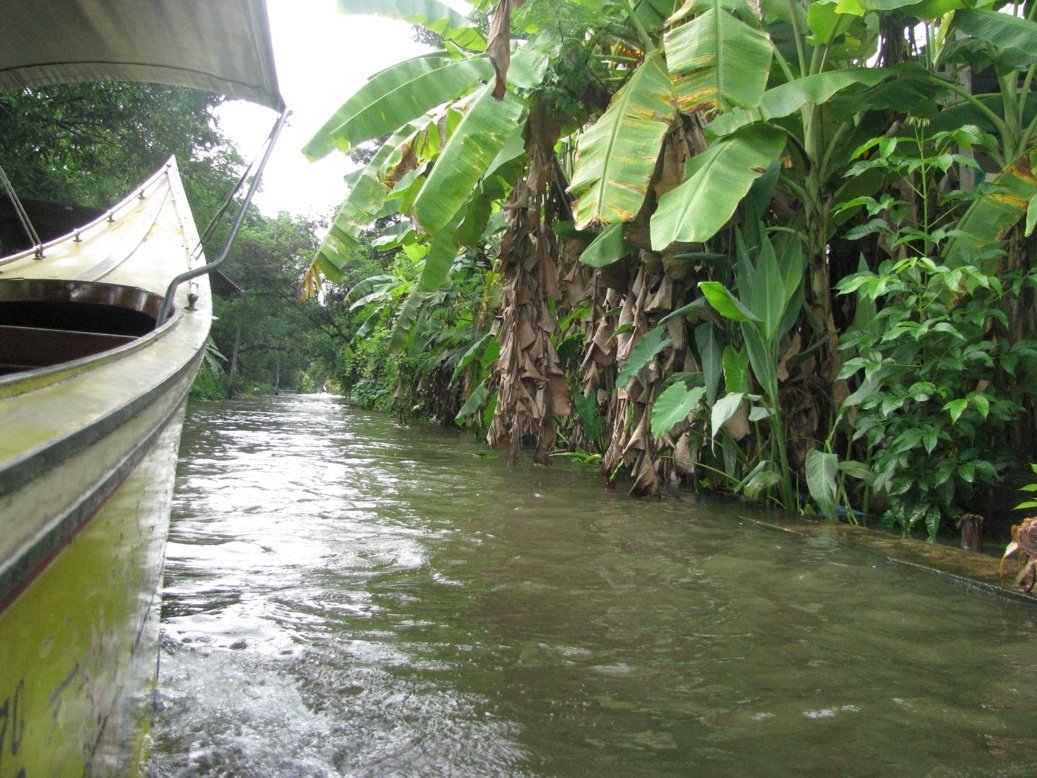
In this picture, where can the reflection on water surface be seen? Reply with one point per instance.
(346, 596)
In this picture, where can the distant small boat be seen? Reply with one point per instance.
(99, 346)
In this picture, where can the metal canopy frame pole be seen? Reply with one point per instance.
(167, 304)
(23, 216)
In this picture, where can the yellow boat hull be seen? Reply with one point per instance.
(80, 644)
(90, 422)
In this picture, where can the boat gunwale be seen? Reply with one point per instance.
(18, 572)
(15, 384)
(105, 218)
(19, 470)
(75, 291)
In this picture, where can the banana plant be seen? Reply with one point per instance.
(1004, 45)
(617, 155)
(456, 31)
(709, 59)
(396, 96)
(783, 83)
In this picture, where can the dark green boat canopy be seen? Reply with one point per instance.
(220, 46)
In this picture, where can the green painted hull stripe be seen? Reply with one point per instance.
(15, 578)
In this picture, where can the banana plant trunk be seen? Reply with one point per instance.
(531, 382)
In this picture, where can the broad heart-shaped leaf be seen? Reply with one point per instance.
(615, 157)
(607, 248)
(472, 148)
(989, 218)
(789, 97)
(821, 470)
(396, 96)
(1013, 37)
(673, 406)
(723, 409)
(645, 350)
(718, 61)
(717, 181)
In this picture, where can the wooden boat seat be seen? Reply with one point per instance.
(26, 348)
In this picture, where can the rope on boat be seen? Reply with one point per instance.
(211, 226)
(23, 217)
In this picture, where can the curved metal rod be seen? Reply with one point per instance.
(167, 304)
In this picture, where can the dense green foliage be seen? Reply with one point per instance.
(88, 144)
(270, 341)
(777, 249)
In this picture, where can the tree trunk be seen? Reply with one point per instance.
(531, 382)
(232, 369)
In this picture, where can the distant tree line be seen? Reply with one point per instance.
(89, 144)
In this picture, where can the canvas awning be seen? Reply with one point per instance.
(220, 46)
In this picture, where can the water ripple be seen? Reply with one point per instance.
(346, 596)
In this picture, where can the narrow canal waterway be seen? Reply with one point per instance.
(348, 596)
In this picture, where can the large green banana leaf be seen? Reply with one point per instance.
(606, 248)
(989, 218)
(423, 12)
(396, 96)
(406, 319)
(926, 9)
(788, 98)
(438, 261)
(718, 61)
(368, 189)
(717, 180)
(616, 157)
(330, 263)
(1015, 39)
(529, 62)
(371, 185)
(471, 150)
(430, 14)
(653, 14)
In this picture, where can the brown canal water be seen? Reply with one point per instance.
(348, 596)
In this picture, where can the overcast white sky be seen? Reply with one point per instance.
(323, 57)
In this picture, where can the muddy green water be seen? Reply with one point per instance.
(348, 596)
